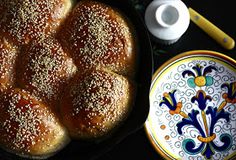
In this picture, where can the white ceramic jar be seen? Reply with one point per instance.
(167, 20)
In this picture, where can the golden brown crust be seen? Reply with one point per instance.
(45, 69)
(29, 128)
(8, 54)
(97, 35)
(88, 58)
(25, 20)
(95, 103)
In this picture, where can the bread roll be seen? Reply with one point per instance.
(95, 103)
(45, 69)
(8, 54)
(31, 19)
(28, 128)
(95, 34)
(58, 62)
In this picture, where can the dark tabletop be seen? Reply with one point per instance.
(137, 146)
(222, 14)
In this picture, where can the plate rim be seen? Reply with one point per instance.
(191, 53)
(155, 75)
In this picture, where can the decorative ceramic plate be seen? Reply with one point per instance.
(193, 107)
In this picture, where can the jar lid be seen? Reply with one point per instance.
(193, 107)
(167, 20)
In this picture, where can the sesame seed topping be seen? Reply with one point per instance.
(7, 63)
(30, 19)
(97, 35)
(23, 120)
(46, 69)
(103, 95)
(94, 48)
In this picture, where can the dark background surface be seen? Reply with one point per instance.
(222, 14)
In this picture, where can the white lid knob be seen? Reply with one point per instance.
(167, 15)
(167, 20)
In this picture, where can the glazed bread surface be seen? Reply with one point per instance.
(67, 71)
(29, 128)
(45, 69)
(95, 103)
(8, 54)
(24, 20)
(95, 34)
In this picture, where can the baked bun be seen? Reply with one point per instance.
(8, 53)
(66, 71)
(96, 103)
(95, 34)
(25, 20)
(28, 128)
(45, 69)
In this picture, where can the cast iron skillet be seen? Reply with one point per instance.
(92, 150)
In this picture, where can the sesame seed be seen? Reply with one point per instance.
(47, 69)
(31, 19)
(21, 126)
(101, 94)
(8, 54)
(95, 37)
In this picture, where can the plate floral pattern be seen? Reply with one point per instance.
(193, 107)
